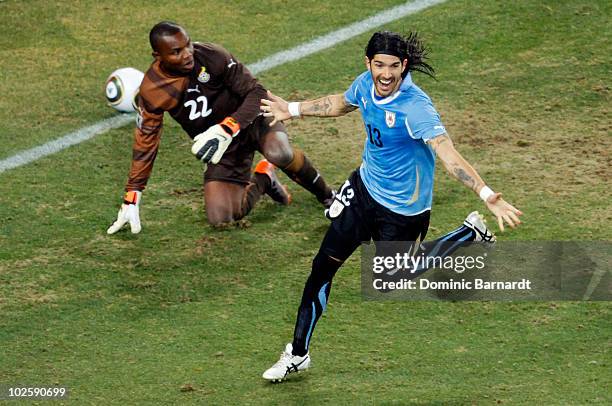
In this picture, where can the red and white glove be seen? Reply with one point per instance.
(128, 213)
(210, 145)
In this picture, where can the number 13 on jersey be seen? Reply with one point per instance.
(375, 137)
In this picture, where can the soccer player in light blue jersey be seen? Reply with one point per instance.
(389, 197)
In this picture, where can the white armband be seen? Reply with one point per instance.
(294, 109)
(485, 193)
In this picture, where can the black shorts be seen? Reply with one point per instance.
(235, 164)
(356, 217)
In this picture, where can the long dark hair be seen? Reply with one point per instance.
(404, 47)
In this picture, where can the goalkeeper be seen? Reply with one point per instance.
(216, 101)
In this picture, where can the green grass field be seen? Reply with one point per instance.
(186, 314)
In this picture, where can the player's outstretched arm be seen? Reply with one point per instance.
(329, 106)
(457, 166)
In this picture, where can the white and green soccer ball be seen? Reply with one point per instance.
(122, 89)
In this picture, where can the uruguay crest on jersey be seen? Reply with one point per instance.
(390, 118)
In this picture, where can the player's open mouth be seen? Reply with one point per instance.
(385, 84)
(189, 65)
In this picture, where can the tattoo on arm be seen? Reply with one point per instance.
(319, 107)
(464, 177)
(441, 140)
(455, 164)
(348, 108)
(437, 142)
(329, 106)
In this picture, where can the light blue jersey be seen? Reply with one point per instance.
(398, 166)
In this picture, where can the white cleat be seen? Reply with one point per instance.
(476, 222)
(287, 364)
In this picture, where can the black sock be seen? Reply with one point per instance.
(314, 301)
(302, 172)
(444, 246)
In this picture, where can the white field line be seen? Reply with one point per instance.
(343, 34)
(68, 140)
(277, 59)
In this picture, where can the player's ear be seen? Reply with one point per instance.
(367, 63)
(404, 64)
(155, 55)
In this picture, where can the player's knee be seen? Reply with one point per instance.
(219, 221)
(279, 155)
(217, 218)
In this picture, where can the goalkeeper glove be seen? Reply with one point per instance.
(128, 213)
(210, 145)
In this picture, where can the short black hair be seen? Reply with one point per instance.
(162, 29)
(404, 47)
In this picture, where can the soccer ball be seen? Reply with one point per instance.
(122, 89)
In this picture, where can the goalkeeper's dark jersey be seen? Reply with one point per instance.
(218, 86)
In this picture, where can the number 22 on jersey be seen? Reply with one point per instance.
(199, 108)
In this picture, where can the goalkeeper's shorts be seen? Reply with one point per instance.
(235, 164)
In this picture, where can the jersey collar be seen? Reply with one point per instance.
(406, 83)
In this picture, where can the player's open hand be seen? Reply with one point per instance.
(503, 211)
(275, 107)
